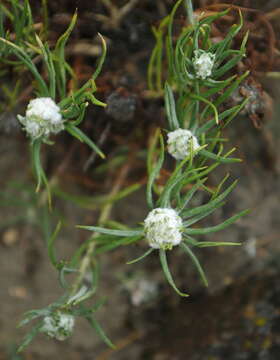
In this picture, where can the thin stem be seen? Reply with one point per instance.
(189, 8)
(104, 216)
(55, 177)
(197, 91)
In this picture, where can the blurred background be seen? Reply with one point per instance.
(238, 316)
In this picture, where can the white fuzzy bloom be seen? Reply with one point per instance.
(179, 143)
(42, 118)
(203, 63)
(58, 325)
(163, 228)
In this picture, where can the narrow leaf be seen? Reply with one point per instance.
(218, 158)
(212, 243)
(165, 268)
(30, 336)
(101, 230)
(219, 227)
(51, 241)
(200, 209)
(80, 135)
(196, 262)
(148, 252)
(94, 323)
(170, 107)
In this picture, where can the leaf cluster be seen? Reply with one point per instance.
(73, 302)
(73, 105)
(198, 105)
(194, 104)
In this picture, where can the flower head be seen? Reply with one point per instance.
(179, 143)
(163, 228)
(203, 63)
(58, 325)
(42, 118)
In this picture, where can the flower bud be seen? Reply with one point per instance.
(179, 143)
(203, 63)
(163, 228)
(58, 325)
(42, 118)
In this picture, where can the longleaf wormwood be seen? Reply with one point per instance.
(195, 87)
(196, 78)
(53, 109)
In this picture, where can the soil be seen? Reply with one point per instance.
(237, 316)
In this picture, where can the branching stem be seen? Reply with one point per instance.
(104, 216)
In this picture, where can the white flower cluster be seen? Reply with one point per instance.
(179, 143)
(58, 325)
(42, 118)
(203, 63)
(163, 228)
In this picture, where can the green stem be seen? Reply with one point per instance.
(104, 216)
(197, 91)
(189, 8)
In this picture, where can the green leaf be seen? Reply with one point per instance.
(30, 336)
(95, 325)
(195, 260)
(200, 174)
(83, 311)
(219, 243)
(222, 46)
(79, 252)
(115, 244)
(78, 96)
(26, 60)
(170, 107)
(80, 114)
(238, 109)
(190, 240)
(47, 58)
(165, 268)
(186, 199)
(218, 158)
(64, 270)
(154, 73)
(230, 89)
(201, 209)
(51, 251)
(217, 86)
(202, 215)
(176, 177)
(81, 136)
(32, 315)
(231, 113)
(94, 100)
(212, 18)
(148, 252)
(38, 169)
(169, 45)
(219, 227)
(101, 230)
(209, 103)
(101, 59)
(229, 64)
(59, 52)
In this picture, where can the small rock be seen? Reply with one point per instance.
(121, 105)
